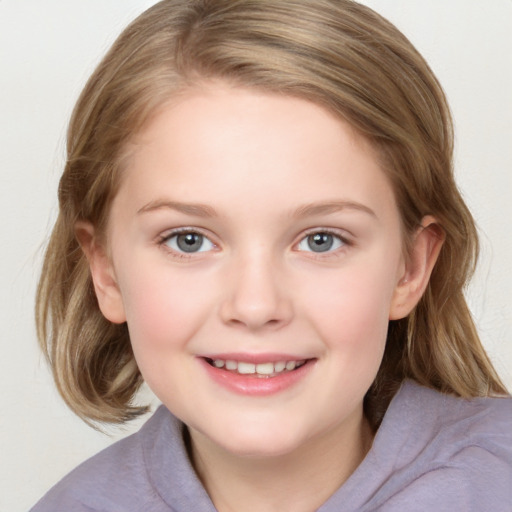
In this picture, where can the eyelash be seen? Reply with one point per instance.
(344, 240)
(163, 240)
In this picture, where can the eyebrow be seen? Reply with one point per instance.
(323, 208)
(306, 210)
(196, 209)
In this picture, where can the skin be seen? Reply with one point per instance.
(267, 171)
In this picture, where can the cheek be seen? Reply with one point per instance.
(162, 308)
(162, 316)
(351, 308)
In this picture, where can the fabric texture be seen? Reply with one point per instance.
(433, 452)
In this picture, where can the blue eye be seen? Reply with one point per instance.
(189, 242)
(320, 242)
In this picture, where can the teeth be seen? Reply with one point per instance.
(231, 365)
(264, 369)
(280, 366)
(246, 368)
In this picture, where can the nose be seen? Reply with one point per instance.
(256, 295)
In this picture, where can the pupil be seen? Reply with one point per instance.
(320, 242)
(190, 242)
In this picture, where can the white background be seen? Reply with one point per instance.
(48, 49)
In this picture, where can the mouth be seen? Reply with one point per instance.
(264, 370)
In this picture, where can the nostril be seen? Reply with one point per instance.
(255, 323)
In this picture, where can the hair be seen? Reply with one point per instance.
(336, 53)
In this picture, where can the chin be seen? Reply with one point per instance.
(257, 443)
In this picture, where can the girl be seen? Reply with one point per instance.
(258, 217)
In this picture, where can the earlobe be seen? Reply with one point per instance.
(427, 244)
(102, 273)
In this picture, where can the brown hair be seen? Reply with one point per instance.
(336, 53)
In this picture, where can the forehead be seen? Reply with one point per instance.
(218, 141)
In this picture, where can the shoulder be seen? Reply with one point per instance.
(449, 452)
(462, 423)
(114, 479)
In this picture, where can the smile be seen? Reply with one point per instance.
(257, 375)
(266, 370)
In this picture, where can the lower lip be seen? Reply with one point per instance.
(253, 385)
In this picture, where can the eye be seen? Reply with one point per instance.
(321, 241)
(188, 242)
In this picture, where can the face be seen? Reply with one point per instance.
(256, 251)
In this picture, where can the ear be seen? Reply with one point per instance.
(102, 273)
(427, 243)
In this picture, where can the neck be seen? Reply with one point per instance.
(300, 481)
